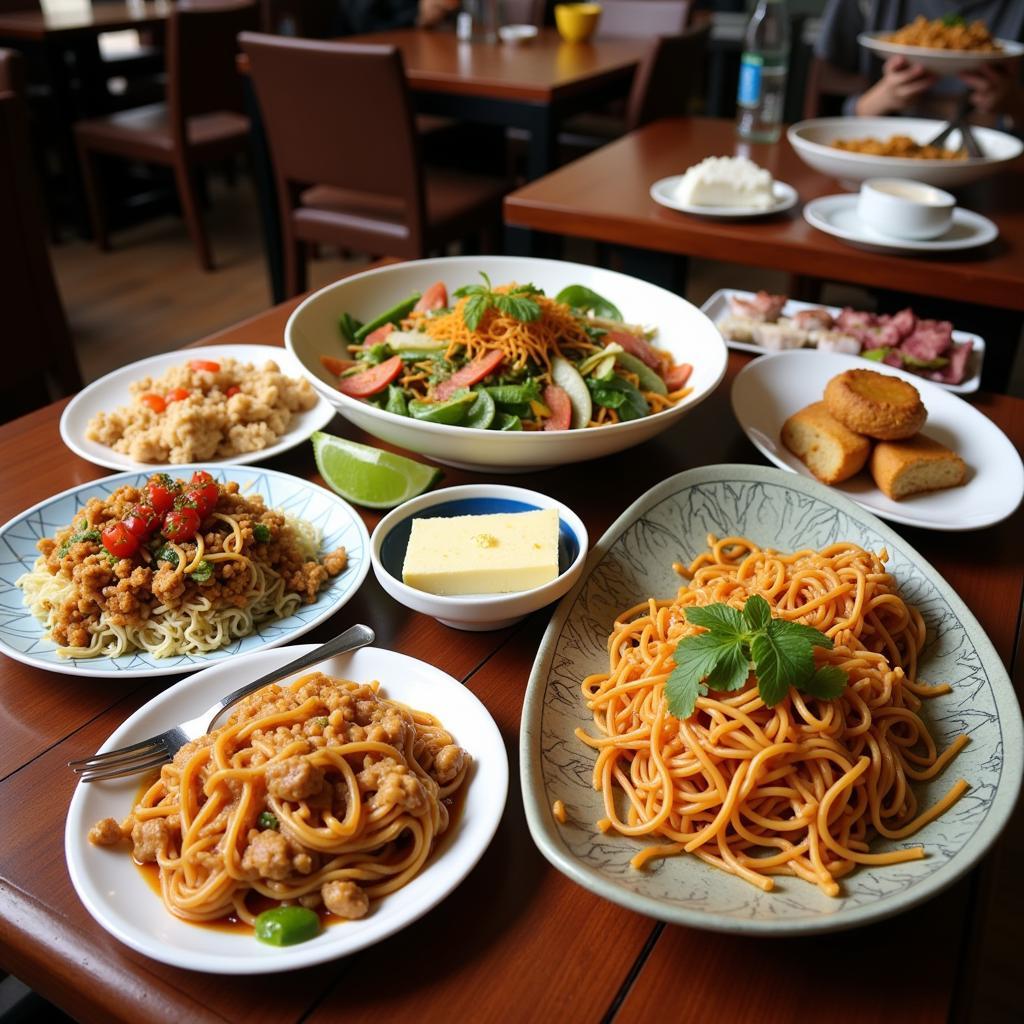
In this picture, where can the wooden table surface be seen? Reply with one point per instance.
(81, 19)
(605, 196)
(516, 941)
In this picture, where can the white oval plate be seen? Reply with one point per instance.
(769, 390)
(942, 62)
(23, 637)
(663, 192)
(111, 391)
(683, 331)
(632, 561)
(837, 216)
(121, 901)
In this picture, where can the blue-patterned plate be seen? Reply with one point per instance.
(23, 637)
(634, 560)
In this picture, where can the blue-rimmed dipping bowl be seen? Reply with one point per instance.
(476, 611)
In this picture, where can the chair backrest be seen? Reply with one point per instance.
(338, 114)
(523, 12)
(39, 359)
(669, 77)
(202, 76)
(639, 19)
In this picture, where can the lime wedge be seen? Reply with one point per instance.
(369, 476)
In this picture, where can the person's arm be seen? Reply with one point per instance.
(901, 83)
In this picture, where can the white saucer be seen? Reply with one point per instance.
(837, 216)
(664, 193)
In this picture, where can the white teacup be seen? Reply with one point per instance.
(905, 209)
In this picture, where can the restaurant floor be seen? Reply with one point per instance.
(148, 294)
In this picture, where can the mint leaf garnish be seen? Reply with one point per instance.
(780, 652)
(516, 303)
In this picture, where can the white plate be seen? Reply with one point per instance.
(813, 140)
(111, 391)
(663, 192)
(942, 62)
(837, 216)
(23, 638)
(718, 308)
(121, 901)
(632, 562)
(684, 331)
(769, 390)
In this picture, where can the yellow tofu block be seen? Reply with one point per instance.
(492, 554)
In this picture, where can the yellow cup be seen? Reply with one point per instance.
(576, 22)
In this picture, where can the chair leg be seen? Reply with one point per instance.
(189, 198)
(87, 160)
(295, 282)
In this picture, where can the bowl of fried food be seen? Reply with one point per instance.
(853, 149)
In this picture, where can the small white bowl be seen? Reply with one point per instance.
(476, 612)
(905, 209)
(517, 35)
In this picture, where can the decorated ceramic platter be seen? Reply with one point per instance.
(632, 562)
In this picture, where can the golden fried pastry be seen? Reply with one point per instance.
(902, 468)
(867, 402)
(832, 452)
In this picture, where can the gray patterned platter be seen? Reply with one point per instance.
(633, 561)
(24, 638)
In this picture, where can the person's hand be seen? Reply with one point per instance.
(996, 89)
(433, 11)
(901, 83)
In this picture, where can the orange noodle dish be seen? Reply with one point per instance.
(766, 718)
(173, 568)
(311, 801)
(507, 357)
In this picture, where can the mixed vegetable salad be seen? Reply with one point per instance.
(507, 358)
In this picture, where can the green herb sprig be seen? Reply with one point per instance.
(779, 652)
(516, 303)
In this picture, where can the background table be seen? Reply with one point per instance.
(605, 196)
(517, 941)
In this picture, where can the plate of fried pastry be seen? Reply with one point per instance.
(900, 446)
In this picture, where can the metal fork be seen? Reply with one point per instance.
(146, 754)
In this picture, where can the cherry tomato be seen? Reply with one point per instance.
(200, 476)
(154, 401)
(369, 382)
(204, 497)
(142, 521)
(435, 297)
(203, 364)
(161, 491)
(119, 541)
(336, 366)
(233, 390)
(557, 400)
(677, 376)
(471, 373)
(181, 523)
(177, 394)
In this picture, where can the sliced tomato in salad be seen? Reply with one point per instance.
(557, 400)
(336, 366)
(435, 297)
(635, 346)
(470, 374)
(369, 382)
(378, 336)
(677, 376)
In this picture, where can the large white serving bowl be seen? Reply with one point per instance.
(683, 330)
(813, 140)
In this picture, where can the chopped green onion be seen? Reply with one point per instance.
(268, 820)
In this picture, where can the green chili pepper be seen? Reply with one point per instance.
(285, 926)
(389, 316)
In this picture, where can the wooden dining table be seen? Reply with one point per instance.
(533, 87)
(605, 196)
(517, 941)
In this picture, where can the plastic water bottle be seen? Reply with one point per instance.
(762, 89)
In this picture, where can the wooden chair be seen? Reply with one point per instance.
(201, 121)
(633, 19)
(39, 360)
(346, 155)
